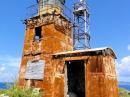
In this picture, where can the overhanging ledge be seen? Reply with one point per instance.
(87, 52)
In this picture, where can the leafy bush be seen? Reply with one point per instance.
(16, 91)
(124, 92)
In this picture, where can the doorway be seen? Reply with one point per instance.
(75, 81)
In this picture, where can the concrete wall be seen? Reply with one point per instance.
(53, 40)
(100, 76)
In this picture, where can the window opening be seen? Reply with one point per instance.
(38, 36)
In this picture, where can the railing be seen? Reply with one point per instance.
(81, 6)
(33, 11)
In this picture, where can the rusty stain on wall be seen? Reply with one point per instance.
(92, 71)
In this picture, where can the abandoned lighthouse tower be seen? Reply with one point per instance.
(57, 57)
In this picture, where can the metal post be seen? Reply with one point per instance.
(81, 36)
(85, 28)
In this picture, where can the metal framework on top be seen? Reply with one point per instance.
(81, 28)
(79, 20)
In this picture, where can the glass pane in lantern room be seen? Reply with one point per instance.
(60, 3)
(57, 2)
(51, 1)
(45, 2)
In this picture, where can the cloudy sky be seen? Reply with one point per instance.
(110, 26)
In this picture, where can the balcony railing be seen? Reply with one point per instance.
(33, 10)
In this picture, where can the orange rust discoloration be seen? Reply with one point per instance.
(100, 73)
(53, 40)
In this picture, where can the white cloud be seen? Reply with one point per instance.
(10, 61)
(9, 67)
(123, 68)
(2, 69)
(129, 47)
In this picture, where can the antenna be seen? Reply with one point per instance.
(81, 29)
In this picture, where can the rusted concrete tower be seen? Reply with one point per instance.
(47, 33)
(50, 64)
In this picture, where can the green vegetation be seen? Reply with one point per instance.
(124, 92)
(16, 91)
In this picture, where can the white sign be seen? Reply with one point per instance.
(35, 70)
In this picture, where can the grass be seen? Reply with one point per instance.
(16, 91)
(124, 93)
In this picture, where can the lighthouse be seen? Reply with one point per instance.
(47, 33)
(57, 58)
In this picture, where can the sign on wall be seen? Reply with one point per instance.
(35, 70)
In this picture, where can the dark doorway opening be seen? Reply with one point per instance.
(76, 78)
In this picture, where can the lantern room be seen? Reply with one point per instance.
(51, 6)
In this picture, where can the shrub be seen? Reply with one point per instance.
(124, 92)
(16, 91)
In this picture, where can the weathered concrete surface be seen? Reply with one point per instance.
(100, 73)
(56, 37)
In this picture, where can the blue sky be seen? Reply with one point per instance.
(110, 26)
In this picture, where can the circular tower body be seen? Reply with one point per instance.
(51, 6)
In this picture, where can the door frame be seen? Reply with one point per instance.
(66, 78)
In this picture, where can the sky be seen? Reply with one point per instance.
(110, 27)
